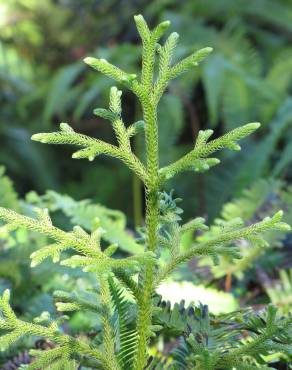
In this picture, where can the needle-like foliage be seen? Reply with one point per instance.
(124, 343)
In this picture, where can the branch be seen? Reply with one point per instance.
(196, 159)
(67, 302)
(114, 115)
(274, 336)
(78, 240)
(88, 245)
(217, 246)
(167, 72)
(189, 62)
(111, 71)
(92, 148)
(149, 40)
(17, 328)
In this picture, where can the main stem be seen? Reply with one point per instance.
(152, 219)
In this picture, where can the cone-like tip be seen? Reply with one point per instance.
(65, 127)
(255, 125)
(37, 137)
(165, 24)
(115, 91)
(208, 49)
(6, 294)
(89, 60)
(286, 227)
(138, 17)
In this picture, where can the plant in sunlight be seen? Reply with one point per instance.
(130, 311)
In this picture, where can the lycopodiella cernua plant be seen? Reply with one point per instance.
(131, 313)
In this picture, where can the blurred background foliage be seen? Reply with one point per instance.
(43, 82)
(247, 78)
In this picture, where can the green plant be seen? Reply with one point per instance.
(280, 292)
(33, 288)
(246, 78)
(128, 315)
(264, 197)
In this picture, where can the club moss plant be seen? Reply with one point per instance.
(124, 341)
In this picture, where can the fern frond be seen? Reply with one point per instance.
(128, 282)
(126, 333)
(108, 332)
(210, 343)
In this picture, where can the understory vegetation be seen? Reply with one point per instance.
(102, 263)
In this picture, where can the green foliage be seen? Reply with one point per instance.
(126, 333)
(247, 78)
(195, 160)
(210, 343)
(89, 216)
(33, 287)
(280, 293)
(8, 195)
(121, 344)
(206, 341)
(263, 197)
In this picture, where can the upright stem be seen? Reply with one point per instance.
(137, 185)
(152, 219)
(149, 106)
(137, 201)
